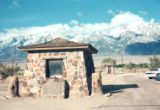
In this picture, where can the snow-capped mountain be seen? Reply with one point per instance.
(132, 38)
(9, 47)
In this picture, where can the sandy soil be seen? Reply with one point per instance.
(128, 92)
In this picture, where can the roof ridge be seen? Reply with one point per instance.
(58, 43)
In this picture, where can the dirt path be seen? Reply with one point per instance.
(129, 92)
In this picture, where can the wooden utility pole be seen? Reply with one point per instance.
(122, 58)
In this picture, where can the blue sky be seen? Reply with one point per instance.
(28, 13)
(78, 18)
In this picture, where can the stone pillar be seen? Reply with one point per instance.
(13, 89)
(96, 84)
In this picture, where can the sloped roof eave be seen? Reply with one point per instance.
(88, 48)
(59, 44)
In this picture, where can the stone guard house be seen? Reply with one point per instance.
(109, 68)
(67, 60)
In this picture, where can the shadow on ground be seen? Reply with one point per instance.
(117, 88)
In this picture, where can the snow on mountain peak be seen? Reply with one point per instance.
(124, 29)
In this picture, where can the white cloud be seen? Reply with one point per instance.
(74, 22)
(110, 12)
(14, 4)
(79, 14)
(126, 18)
(78, 30)
(152, 20)
(143, 12)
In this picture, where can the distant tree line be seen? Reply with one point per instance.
(154, 62)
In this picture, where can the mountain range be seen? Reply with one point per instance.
(142, 39)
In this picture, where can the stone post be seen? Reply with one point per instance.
(13, 89)
(96, 84)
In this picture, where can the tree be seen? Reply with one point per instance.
(109, 60)
(6, 71)
(119, 66)
(154, 62)
(142, 65)
(2, 70)
(131, 65)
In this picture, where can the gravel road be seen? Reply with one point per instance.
(135, 93)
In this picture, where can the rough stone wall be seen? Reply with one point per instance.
(74, 72)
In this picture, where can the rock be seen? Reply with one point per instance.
(13, 89)
(3, 97)
(108, 94)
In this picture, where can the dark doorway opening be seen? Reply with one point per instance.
(109, 69)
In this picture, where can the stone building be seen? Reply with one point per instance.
(60, 59)
(109, 68)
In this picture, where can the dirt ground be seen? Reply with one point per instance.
(128, 92)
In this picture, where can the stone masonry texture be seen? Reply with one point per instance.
(96, 84)
(77, 69)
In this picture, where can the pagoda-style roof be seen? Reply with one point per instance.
(59, 44)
